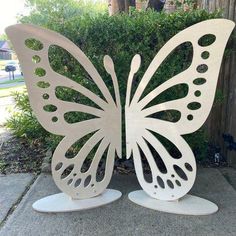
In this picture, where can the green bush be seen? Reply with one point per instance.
(121, 36)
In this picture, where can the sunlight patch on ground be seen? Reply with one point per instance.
(4, 92)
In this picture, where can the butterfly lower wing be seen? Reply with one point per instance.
(68, 173)
(172, 177)
(42, 93)
(139, 125)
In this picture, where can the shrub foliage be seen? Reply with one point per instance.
(121, 36)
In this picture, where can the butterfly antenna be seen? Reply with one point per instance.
(109, 66)
(135, 65)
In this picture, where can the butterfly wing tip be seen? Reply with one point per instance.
(8, 29)
(13, 28)
(128, 153)
(226, 23)
(232, 23)
(118, 153)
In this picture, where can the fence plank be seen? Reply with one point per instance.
(223, 116)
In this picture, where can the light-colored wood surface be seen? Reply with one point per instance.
(188, 205)
(172, 185)
(63, 203)
(106, 125)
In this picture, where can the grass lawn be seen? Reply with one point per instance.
(4, 92)
(2, 64)
(21, 79)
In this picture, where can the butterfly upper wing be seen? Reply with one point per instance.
(222, 29)
(18, 35)
(181, 171)
(106, 125)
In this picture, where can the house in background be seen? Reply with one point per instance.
(5, 51)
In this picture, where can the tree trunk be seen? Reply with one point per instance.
(118, 6)
(169, 6)
(157, 5)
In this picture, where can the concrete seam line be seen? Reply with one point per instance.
(17, 202)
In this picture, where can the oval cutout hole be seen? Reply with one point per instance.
(180, 172)
(177, 182)
(170, 184)
(202, 68)
(199, 81)
(50, 108)
(36, 59)
(33, 44)
(58, 166)
(190, 117)
(207, 40)
(42, 84)
(205, 55)
(194, 105)
(160, 182)
(197, 93)
(40, 72)
(45, 96)
(77, 182)
(188, 167)
(67, 171)
(87, 181)
(54, 119)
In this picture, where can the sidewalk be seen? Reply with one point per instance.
(12, 187)
(5, 103)
(125, 218)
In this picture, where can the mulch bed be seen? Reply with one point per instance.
(18, 156)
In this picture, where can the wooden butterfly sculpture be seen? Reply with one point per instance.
(178, 175)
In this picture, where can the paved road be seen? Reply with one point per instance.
(4, 76)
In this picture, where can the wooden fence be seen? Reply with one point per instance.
(223, 116)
